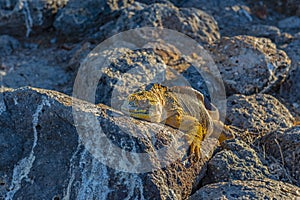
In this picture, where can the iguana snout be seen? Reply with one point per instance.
(143, 106)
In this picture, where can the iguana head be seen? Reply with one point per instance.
(146, 104)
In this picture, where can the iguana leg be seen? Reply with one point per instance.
(195, 132)
(194, 137)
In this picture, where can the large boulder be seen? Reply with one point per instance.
(288, 7)
(50, 152)
(37, 67)
(284, 147)
(233, 16)
(126, 71)
(20, 18)
(118, 72)
(250, 65)
(80, 15)
(236, 161)
(257, 114)
(250, 189)
(190, 21)
(289, 89)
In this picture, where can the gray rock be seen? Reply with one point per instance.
(233, 16)
(175, 2)
(236, 161)
(40, 67)
(288, 7)
(290, 22)
(258, 114)
(250, 189)
(20, 18)
(250, 65)
(181, 69)
(45, 156)
(80, 53)
(127, 71)
(259, 30)
(80, 15)
(284, 147)
(292, 84)
(193, 22)
(7, 45)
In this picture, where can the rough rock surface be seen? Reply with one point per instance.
(259, 114)
(249, 65)
(7, 45)
(289, 7)
(250, 189)
(236, 161)
(290, 23)
(80, 15)
(43, 69)
(43, 43)
(285, 148)
(21, 17)
(292, 84)
(193, 22)
(67, 17)
(175, 2)
(266, 31)
(240, 17)
(129, 70)
(126, 71)
(231, 15)
(38, 136)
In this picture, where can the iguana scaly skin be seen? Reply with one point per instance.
(179, 107)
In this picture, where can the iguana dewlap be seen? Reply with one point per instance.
(179, 107)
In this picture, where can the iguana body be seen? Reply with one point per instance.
(179, 107)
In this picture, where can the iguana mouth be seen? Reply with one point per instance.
(129, 109)
(137, 111)
(147, 112)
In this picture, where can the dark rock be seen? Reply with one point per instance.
(236, 161)
(80, 15)
(121, 71)
(175, 2)
(20, 18)
(258, 114)
(290, 22)
(7, 45)
(284, 147)
(259, 30)
(292, 84)
(250, 65)
(196, 70)
(51, 147)
(233, 16)
(250, 189)
(127, 71)
(82, 50)
(289, 7)
(190, 21)
(284, 39)
(40, 67)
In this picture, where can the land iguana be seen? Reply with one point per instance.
(180, 107)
